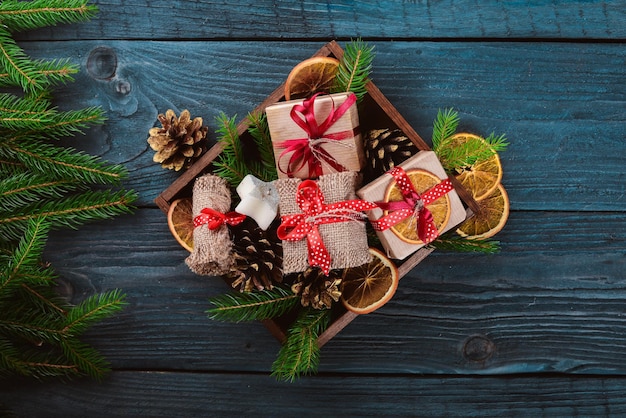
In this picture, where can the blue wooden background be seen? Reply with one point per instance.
(537, 330)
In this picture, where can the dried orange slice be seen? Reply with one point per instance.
(421, 180)
(493, 214)
(180, 222)
(313, 75)
(482, 177)
(368, 287)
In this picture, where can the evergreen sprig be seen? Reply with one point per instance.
(251, 306)
(40, 338)
(28, 15)
(300, 353)
(260, 132)
(233, 164)
(355, 67)
(454, 242)
(44, 186)
(455, 156)
(21, 189)
(61, 162)
(69, 212)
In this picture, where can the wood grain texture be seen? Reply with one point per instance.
(166, 394)
(539, 305)
(243, 19)
(537, 330)
(565, 102)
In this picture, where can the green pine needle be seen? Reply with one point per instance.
(233, 164)
(355, 67)
(21, 189)
(20, 69)
(444, 127)
(251, 306)
(93, 309)
(300, 353)
(260, 132)
(230, 164)
(456, 157)
(21, 15)
(69, 212)
(61, 162)
(454, 242)
(27, 252)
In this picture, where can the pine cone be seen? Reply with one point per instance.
(258, 257)
(316, 289)
(386, 148)
(179, 142)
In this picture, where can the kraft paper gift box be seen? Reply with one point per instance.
(430, 181)
(316, 136)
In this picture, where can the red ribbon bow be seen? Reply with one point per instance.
(309, 151)
(315, 212)
(412, 204)
(214, 219)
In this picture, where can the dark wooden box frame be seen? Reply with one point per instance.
(377, 108)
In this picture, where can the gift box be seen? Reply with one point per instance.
(416, 203)
(315, 136)
(375, 112)
(322, 223)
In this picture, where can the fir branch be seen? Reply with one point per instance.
(454, 242)
(25, 188)
(20, 15)
(86, 358)
(300, 353)
(251, 306)
(18, 113)
(354, 68)
(29, 117)
(55, 71)
(93, 309)
(69, 212)
(259, 130)
(230, 164)
(21, 70)
(444, 127)
(61, 163)
(27, 252)
(15, 360)
(455, 156)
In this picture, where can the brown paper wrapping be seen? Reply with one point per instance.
(211, 254)
(375, 192)
(348, 152)
(346, 241)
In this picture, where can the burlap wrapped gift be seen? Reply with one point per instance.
(212, 248)
(345, 241)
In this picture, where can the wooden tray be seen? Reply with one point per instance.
(375, 112)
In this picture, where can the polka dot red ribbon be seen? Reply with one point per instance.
(315, 212)
(308, 151)
(214, 219)
(412, 205)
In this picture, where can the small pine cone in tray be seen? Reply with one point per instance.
(384, 149)
(317, 289)
(258, 257)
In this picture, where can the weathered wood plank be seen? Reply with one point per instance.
(561, 105)
(167, 394)
(552, 300)
(206, 19)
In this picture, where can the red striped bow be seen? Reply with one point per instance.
(214, 219)
(315, 212)
(412, 204)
